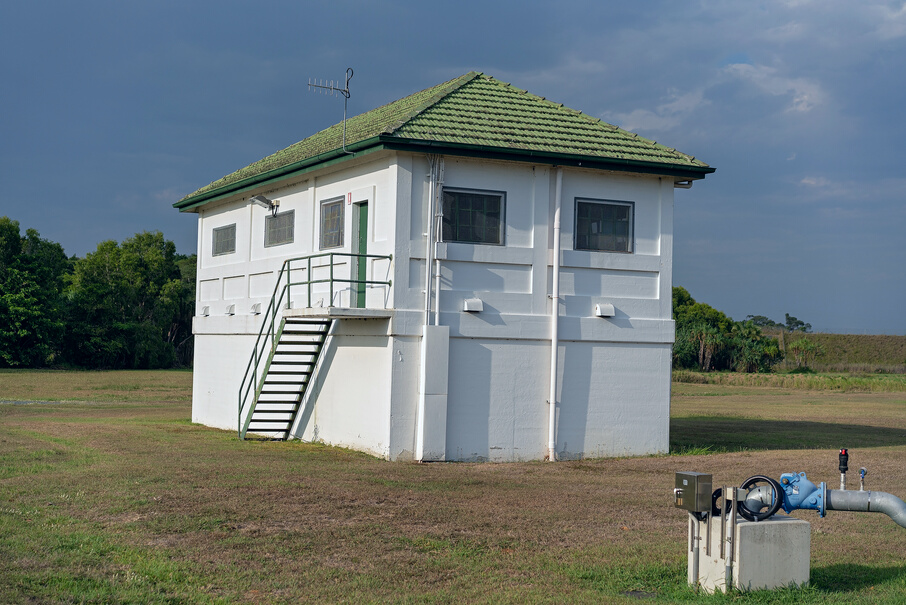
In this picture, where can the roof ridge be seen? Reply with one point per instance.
(476, 113)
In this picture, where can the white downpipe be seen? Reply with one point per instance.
(438, 234)
(555, 314)
(429, 235)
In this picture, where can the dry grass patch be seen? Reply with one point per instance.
(120, 385)
(127, 502)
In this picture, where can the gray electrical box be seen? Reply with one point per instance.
(692, 492)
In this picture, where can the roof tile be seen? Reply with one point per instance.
(473, 110)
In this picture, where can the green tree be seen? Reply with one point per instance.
(31, 279)
(707, 339)
(763, 322)
(805, 351)
(796, 325)
(127, 305)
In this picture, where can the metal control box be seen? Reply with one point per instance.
(692, 492)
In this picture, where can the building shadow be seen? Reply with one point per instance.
(743, 434)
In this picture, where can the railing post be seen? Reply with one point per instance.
(273, 332)
(308, 279)
(289, 285)
(331, 280)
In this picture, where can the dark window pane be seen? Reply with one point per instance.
(474, 217)
(603, 226)
(279, 229)
(332, 223)
(224, 240)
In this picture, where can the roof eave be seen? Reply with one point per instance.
(289, 171)
(380, 142)
(554, 158)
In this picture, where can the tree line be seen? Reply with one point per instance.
(126, 305)
(130, 305)
(707, 339)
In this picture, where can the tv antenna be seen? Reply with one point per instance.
(331, 88)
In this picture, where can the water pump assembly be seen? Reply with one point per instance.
(760, 497)
(745, 545)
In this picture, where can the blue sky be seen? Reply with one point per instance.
(111, 111)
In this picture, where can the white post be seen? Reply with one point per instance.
(555, 314)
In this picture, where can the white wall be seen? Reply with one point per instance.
(614, 373)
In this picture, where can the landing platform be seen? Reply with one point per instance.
(339, 313)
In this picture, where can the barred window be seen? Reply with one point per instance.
(224, 240)
(473, 216)
(279, 229)
(604, 225)
(332, 222)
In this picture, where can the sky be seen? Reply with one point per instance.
(112, 111)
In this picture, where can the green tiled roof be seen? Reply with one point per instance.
(470, 115)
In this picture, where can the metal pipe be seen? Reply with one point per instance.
(760, 497)
(868, 502)
(731, 540)
(438, 235)
(695, 531)
(429, 235)
(555, 315)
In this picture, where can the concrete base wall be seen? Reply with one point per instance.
(220, 362)
(614, 399)
(768, 554)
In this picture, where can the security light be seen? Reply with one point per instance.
(265, 203)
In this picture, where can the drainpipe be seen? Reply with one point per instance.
(429, 236)
(438, 235)
(555, 314)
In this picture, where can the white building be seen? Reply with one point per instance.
(466, 188)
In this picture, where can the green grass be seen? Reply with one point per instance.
(127, 502)
(844, 383)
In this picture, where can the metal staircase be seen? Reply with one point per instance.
(285, 355)
(291, 367)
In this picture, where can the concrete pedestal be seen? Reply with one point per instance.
(767, 554)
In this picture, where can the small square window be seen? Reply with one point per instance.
(473, 216)
(224, 240)
(279, 229)
(332, 222)
(604, 225)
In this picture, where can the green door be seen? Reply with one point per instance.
(361, 248)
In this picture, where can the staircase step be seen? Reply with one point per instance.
(292, 401)
(292, 363)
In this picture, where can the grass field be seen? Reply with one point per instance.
(109, 494)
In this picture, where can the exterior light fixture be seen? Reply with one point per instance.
(266, 203)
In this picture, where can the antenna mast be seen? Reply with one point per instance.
(331, 88)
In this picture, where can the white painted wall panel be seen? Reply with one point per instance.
(349, 404)
(614, 399)
(605, 282)
(219, 362)
(496, 409)
(261, 285)
(209, 290)
(235, 288)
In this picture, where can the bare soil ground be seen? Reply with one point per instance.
(130, 502)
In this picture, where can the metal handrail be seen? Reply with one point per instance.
(271, 332)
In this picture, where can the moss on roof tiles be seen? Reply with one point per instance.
(472, 111)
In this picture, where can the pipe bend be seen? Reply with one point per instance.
(868, 502)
